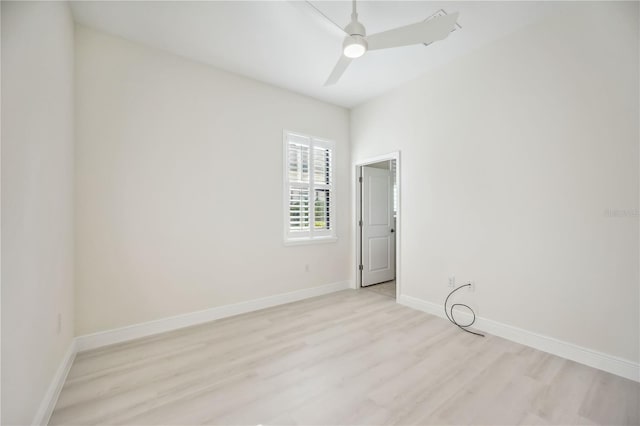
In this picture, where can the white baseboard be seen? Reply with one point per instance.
(136, 331)
(51, 396)
(611, 364)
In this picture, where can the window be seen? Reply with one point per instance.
(308, 189)
(394, 177)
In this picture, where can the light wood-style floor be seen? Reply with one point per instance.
(386, 289)
(353, 357)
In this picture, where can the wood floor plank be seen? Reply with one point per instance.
(352, 357)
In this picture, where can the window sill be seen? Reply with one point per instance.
(307, 241)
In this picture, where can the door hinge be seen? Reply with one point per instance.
(360, 223)
(360, 179)
(361, 267)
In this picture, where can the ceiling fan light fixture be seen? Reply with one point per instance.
(354, 46)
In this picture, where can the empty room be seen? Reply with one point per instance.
(320, 213)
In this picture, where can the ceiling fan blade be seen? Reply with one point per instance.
(338, 70)
(310, 9)
(429, 31)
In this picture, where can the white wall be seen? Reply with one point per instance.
(510, 158)
(37, 201)
(179, 186)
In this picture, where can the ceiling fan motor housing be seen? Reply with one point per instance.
(355, 28)
(354, 46)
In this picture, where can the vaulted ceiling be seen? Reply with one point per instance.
(285, 44)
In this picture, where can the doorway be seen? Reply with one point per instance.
(377, 220)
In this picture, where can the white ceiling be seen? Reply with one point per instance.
(286, 45)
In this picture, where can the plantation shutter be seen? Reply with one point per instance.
(308, 188)
(299, 183)
(322, 188)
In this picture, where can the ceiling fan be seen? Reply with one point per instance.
(356, 41)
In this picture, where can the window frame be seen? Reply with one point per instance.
(311, 236)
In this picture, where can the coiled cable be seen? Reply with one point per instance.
(462, 327)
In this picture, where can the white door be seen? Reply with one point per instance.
(378, 235)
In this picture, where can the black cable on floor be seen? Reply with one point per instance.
(462, 327)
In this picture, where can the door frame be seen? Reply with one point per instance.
(358, 212)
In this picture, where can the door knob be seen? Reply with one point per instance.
(392, 231)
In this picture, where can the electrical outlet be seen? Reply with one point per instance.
(472, 286)
(59, 325)
(452, 281)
